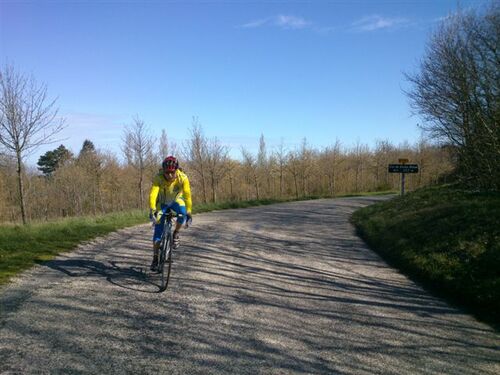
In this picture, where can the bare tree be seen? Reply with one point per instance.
(305, 160)
(90, 163)
(293, 167)
(216, 164)
(383, 154)
(262, 161)
(456, 92)
(250, 166)
(232, 169)
(7, 185)
(163, 146)
(166, 146)
(333, 158)
(28, 119)
(280, 156)
(196, 154)
(359, 155)
(137, 147)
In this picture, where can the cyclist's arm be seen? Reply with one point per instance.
(186, 193)
(153, 194)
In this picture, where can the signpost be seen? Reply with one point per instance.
(403, 168)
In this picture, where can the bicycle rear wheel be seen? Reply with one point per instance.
(165, 262)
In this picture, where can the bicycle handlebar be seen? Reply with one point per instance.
(163, 211)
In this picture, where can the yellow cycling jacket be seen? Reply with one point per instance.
(163, 192)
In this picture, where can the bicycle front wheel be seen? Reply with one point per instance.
(165, 262)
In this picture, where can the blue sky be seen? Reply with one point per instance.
(286, 69)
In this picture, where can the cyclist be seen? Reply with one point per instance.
(170, 190)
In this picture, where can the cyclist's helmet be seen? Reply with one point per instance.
(170, 164)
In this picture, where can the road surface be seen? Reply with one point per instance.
(280, 289)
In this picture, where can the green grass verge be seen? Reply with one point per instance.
(446, 238)
(23, 246)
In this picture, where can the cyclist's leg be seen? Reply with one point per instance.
(180, 209)
(158, 231)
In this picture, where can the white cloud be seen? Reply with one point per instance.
(376, 22)
(255, 24)
(366, 24)
(286, 22)
(291, 22)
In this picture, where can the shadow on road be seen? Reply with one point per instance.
(128, 277)
(276, 289)
(295, 291)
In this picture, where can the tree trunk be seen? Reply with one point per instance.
(204, 188)
(214, 194)
(269, 186)
(78, 196)
(333, 185)
(256, 182)
(281, 183)
(21, 186)
(141, 199)
(231, 187)
(296, 186)
(101, 200)
(94, 201)
(357, 179)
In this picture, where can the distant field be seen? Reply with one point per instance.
(444, 237)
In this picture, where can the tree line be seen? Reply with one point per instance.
(97, 181)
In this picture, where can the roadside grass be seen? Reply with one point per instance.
(23, 246)
(447, 239)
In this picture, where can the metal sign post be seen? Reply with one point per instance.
(403, 168)
(403, 161)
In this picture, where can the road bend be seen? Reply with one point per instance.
(280, 289)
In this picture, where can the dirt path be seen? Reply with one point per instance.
(281, 289)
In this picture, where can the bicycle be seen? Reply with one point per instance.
(166, 248)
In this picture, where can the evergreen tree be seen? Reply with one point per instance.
(51, 160)
(87, 148)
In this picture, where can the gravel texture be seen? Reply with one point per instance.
(281, 289)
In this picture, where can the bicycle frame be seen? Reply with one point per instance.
(166, 248)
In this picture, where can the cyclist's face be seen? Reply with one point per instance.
(169, 176)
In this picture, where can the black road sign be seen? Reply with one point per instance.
(403, 168)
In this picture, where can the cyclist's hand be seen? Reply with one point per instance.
(153, 216)
(189, 220)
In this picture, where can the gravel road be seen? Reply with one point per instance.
(280, 289)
